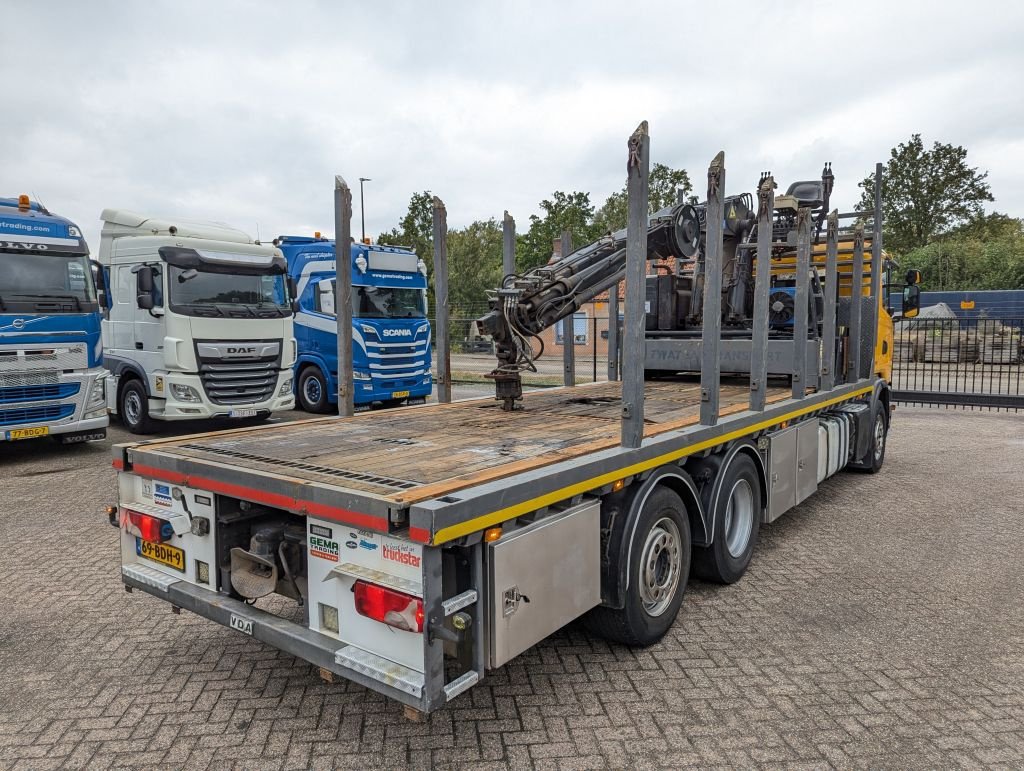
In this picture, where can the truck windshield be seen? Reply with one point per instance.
(208, 293)
(46, 282)
(386, 302)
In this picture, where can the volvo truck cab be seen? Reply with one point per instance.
(199, 322)
(51, 374)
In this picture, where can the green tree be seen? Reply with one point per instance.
(664, 184)
(987, 254)
(474, 267)
(926, 193)
(571, 211)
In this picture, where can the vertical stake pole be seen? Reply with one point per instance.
(343, 294)
(508, 245)
(801, 304)
(762, 288)
(828, 331)
(568, 327)
(711, 326)
(637, 170)
(613, 332)
(856, 304)
(876, 260)
(444, 356)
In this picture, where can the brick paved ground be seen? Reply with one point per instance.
(881, 624)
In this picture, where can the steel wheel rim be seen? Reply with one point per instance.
(879, 437)
(739, 517)
(313, 390)
(132, 407)
(661, 564)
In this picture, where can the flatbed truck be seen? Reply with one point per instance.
(424, 547)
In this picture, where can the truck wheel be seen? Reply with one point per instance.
(876, 453)
(134, 408)
(737, 523)
(312, 391)
(659, 565)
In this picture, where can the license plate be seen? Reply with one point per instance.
(171, 556)
(399, 394)
(26, 433)
(243, 625)
(242, 413)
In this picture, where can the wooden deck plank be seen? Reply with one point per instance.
(420, 453)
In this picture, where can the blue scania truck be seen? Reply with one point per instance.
(51, 373)
(390, 330)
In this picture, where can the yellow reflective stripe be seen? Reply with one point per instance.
(511, 512)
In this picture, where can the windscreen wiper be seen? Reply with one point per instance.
(78, 302)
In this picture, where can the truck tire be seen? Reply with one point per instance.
(659, 566)
(134, 408)
(312, 390)
(876, 451)
(737, 522)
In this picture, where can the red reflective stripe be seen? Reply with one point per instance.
(419, 534)
(118, 464)
(335, 513)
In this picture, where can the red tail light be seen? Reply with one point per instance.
(402, 611)
(148, 528)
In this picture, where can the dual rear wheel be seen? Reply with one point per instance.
(661, 555)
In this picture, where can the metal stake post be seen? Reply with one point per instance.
(637, 170)
(613, 332)
(856, 296)
(712, 321)
(876, 259)
(343, 294)
(828, 331)
(444, 357)
(800, 309)
(762, 286)
(508, 245)
(568, 327)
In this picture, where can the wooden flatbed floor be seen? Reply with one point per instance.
(409, 455)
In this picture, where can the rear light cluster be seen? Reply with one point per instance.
(147, 527)
(397, 609)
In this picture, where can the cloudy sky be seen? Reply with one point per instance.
(244, 111)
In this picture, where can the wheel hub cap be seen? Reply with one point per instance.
(660, 566)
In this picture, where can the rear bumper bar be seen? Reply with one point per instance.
(301, 642)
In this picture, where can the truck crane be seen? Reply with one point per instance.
(527, 304)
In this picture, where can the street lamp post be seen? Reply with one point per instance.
(362, 206)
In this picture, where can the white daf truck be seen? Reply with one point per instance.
(199, 322)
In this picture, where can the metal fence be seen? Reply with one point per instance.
(965, 363)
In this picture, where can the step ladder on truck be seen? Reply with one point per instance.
(427, 546)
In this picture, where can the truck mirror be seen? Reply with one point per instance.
(143, 279)
(293, 295)
(913, 277)
(187, 275)
(144, 301)
(911, 301)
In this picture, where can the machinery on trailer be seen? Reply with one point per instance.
(390, 330)
(427, 546)
(51, 373)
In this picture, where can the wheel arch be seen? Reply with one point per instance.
(717, 465)
(620, 515)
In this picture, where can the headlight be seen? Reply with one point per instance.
(286, 388)
(357, 375)
(367, 329)
(184, 393)
(96, 394)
